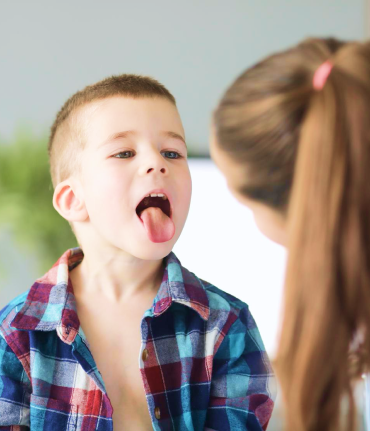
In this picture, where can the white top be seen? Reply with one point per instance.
(367, 402)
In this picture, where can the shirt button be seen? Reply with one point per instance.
(144, 355)
(157, 413)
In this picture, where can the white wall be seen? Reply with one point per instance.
(222, 244)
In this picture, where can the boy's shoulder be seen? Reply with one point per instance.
(228, 315)
(220, 299)
(218, 302)
(12, 308)
(203, 295)
(11, 337)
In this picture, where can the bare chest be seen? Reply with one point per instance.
(115, 339)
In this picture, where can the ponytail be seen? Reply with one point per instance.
(327, 287)
(306, 154)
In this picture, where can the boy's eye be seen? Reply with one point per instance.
(124, 155)
(171, 154)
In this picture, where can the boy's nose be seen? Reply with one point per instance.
(155, 165)
(162, 170)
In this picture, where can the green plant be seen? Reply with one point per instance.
(26, 199)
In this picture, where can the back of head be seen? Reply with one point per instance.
(67, 132)
(306, 153)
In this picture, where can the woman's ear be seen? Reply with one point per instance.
(67, 202)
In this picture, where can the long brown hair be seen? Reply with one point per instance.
(307, 154)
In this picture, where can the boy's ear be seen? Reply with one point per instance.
(67, 202)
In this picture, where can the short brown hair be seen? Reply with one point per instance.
(66, 137)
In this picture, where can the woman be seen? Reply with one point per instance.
(292, 136)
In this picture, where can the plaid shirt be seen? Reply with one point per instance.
(202, 360)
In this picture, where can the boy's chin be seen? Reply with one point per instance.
(154, 251)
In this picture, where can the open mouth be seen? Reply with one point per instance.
(155, 200)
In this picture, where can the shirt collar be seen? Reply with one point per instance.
(181, 286)
(50, 303)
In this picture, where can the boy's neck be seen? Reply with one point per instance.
(117, 278)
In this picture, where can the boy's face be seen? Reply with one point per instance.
(135, 147)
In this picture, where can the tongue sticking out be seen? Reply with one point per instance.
(158, 226)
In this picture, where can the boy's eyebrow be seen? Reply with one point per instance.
(128, 133)
(117, 135)
(175, 135)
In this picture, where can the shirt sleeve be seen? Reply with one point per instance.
(243, 386)
(15, 390)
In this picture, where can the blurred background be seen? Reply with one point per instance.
(50, 50)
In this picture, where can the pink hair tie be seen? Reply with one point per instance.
(321, 75)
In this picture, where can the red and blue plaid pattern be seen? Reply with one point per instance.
(205, 364)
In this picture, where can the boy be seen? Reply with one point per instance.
(70, 345)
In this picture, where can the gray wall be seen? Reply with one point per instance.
(48, 50)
